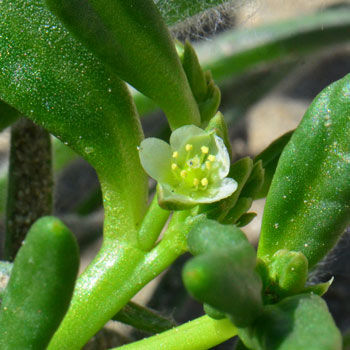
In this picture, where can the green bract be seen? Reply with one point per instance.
(191, 170)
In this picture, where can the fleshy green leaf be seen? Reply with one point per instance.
(52, 79)
(289, 270)
(209, 235)
(40, 286)
(226, 280)
(308, 205)
(131, 38)
(298, 322)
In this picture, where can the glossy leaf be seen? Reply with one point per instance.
(289, 271)
(51, 78)
(225, 279)
(40, 286)
(132, 40)
(209, 236)
(298, 322)
(308, 205)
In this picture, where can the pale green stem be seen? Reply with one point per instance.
(200, 334)
(152, 225)
(118, 272)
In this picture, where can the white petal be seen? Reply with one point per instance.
(223, 157)
(155, 157)
(220, 190)
(180, 136)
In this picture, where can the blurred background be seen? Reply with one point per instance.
(270, 59)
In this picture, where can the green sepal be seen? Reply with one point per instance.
(297, 322)
(239, 171)
(255, 181)
(213, 313)
(225, 279)
(218, 125)
(171, 204)
(318, 289)
(288, 271)
(269, 157)
(40, 286)
(242, 206)
(246, 219)
(194, 72)
(131, 38)
(209, 236)
(209, 106)
(308, 205)
(262, 269)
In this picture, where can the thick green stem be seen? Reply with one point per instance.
(200, 334)
(118, 272)
(152, 225)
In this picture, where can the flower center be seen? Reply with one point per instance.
(194, 171)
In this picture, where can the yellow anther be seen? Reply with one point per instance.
(211, 158)
(175, 154)
(208, 165)
(183, 173)
(204, 182)
(173, 166)
(195, 181)
(188, 147)
(205, 149)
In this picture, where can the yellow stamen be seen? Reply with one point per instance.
(205, 149)
(188, 147)
(183, 173)
(208, 165)
(211, 158)
(204, 182)
(173, 166)
(195, 181)
(175, 154)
